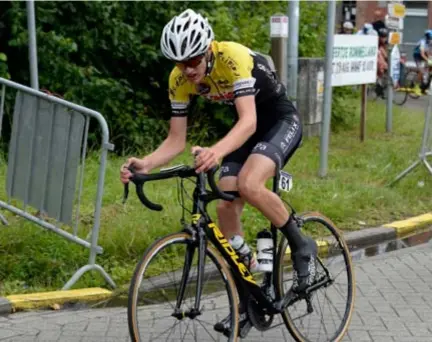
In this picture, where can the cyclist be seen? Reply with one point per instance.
(421, 58)
(382, 65)
(367, 30)
(266, 134)
(347, 28)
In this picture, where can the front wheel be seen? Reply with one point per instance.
(163, 289)
(326, 312)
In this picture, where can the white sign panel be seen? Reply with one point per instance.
(279, 26)
(394, 23)
(354, 59)
(395, 64)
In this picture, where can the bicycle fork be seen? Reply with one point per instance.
(190, 252)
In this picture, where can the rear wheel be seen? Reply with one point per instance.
(156, 311)
(326, 314)
(410, 81)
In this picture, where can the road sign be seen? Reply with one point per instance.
(279, 26)
(396, 10)
(395, 38)
(394, 23)
(395, 64)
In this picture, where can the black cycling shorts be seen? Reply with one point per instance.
(276, 139)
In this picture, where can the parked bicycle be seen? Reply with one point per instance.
(187, 281)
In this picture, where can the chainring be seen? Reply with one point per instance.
(259, 319)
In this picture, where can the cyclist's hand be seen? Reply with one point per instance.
(206, 159)
(140, 166)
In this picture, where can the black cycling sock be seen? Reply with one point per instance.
(293, 234)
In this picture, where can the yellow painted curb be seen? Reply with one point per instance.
(323, 246)
(44, 299)
(407, 226)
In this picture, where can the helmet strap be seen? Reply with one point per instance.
(210, 62)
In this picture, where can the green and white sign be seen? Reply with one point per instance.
(354, 59)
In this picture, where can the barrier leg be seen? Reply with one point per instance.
(404, 173)
(78, 274)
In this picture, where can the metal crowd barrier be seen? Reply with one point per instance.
(426, 145)
(46, 166)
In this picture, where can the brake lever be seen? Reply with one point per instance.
(126, 187)
(125, 192)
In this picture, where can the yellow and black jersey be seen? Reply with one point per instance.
(236, 71)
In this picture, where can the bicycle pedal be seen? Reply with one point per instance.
(244, 331)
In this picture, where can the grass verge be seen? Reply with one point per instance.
(353, 195)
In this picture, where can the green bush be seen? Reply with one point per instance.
(106, 56)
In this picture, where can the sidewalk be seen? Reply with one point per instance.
(394, 303)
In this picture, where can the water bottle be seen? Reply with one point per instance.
(265, 251)
(243, 250)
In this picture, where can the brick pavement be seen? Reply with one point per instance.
(394, 303)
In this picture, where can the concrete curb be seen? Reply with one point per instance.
(39, 300)
(357, 239)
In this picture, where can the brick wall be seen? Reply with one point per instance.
(365, 12)
(366, 9)
(430, 14)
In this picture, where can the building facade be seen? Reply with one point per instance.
(418, 18)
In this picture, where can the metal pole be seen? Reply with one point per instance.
(293, 35)
(331, 14)
(389, 106)
(31, 26)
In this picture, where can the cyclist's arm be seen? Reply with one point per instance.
(172, 146)
(239, 64)
(242, 130)
(175, 142)
(423, 53)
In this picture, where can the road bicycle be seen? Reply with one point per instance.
(411, 84)
(208, 279)
(380, 87)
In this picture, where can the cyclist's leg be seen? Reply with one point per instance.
(422, 72)
(229, 213)
(275, 149)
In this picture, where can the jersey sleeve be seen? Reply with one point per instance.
(178, 94)
(239, 64)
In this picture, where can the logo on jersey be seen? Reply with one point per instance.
(244, 84)
(203, 88)
(224, 97)
(178, 81)
(223, 84)
(231, 63)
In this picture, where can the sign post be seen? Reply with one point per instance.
(279, 36)
(293, 37)
(394, 21)
(327, 101)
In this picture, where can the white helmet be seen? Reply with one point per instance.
(185, 36)
(348, 25)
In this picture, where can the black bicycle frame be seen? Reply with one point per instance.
(203, 229)
(202, 224)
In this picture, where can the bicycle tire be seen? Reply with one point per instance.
(371, 92)
(349, 308)
(150, 253)
(403, 98)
